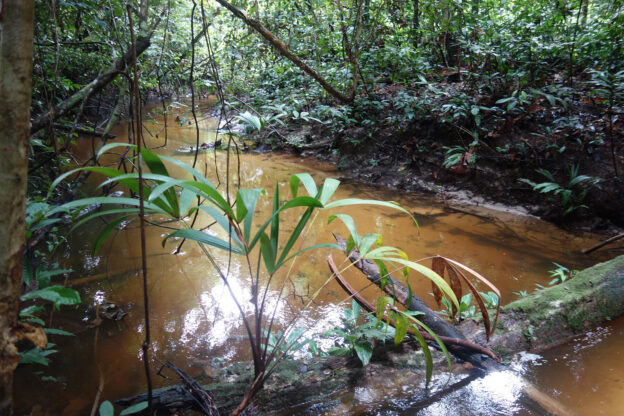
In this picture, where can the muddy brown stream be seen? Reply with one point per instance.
(196, 325)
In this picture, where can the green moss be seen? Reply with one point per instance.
(503, 352)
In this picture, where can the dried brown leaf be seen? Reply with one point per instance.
(34, 334)
(437, 265)
(489, 328)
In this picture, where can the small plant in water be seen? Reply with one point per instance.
(560, 274)
(521, 293)
(490, 298)
(465, 310)
(359, 338)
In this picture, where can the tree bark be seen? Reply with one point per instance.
(415, 23)
(16, 50)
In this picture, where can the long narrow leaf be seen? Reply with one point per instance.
(202, 237)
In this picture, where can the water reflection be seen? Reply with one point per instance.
(195, 319)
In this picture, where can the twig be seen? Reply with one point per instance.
(603, 243)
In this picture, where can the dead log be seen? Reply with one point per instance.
(412, 302)
(448, 342)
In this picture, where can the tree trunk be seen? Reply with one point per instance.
(415, 24)
(16, 50)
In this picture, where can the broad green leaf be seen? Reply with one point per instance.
(364, 351)
(106, 200)
(380, 307)
(300, 201)
(208, 192)
(195, 173)
(59, 295)
(427, 272)
(275, 220)
(106, 409)
(303, 250)
(186, 199)
(110, 146)
(106, 231)
(221, 220)
(366, 243)
(428, 358)
(329, 188)
(348, 221)
(87, 218)
(247, 198)
(307, 181)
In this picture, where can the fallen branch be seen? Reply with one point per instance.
(203, 399)
(369, 306)
(84, 130)
(603, 243)
(142, 43)
(412, 302)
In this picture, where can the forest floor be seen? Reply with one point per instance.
(411, 157)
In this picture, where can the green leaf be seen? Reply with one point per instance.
(357, 201)
(400, 326)
(106, 231)
(300, 201)
(428, 358)
(36, 356)
(202, 237)
(329, 188)
(268, 254)
(79, 203)
(134, 409)
(106, 409)
(307, 181)
(54, 331)
(380, 307)
(348, 221)
(59, 295)
(275, 220)
(364, 351)
(246, 201)
(303, 250)
(221, 220)
(87, 218)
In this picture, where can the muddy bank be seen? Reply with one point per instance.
(541, 320)
(412, 158)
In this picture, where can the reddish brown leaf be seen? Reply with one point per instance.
(437, 265)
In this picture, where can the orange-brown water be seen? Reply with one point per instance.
(195, 323)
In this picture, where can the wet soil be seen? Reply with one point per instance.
(411, 157)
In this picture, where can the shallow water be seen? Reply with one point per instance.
(196, 325)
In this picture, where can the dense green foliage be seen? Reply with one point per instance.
(489, 73)
(352, 69)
